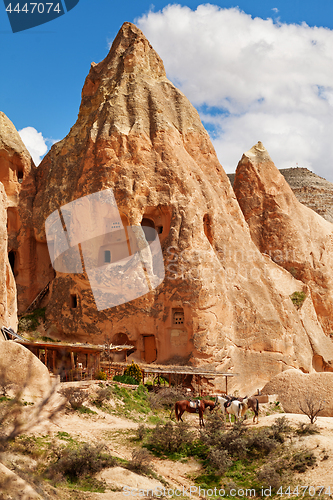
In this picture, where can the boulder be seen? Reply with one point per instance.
(293, 387)
(20, 370)
(293, 235)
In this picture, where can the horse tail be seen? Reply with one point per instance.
(176, 411)
(257, 405)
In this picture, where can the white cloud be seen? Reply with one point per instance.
(252, 79)
(276, 10)
(34, 142)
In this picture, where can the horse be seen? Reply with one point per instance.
(252, 403)
(236, 408)
(182, 406)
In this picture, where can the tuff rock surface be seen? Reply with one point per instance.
(29, 258)
(22, 371)
(294, 236)
(222, 303)
(309, 188)
(8, 304)
(294, 387)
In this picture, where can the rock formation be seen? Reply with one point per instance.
(20, 370)
(8, 304)
(294, 236)
(293, 388)
(222, 303)
(310, 189)
(29, 259)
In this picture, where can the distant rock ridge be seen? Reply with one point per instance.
(313, 191)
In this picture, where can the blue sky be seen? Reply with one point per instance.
(261, 80)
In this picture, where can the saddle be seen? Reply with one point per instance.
(195, 404)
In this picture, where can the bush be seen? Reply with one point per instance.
(165, 398)
(170, 438)
(141, 462)
(303, 460)
(102, 394)
(134, 370)
(75, 396)
(101, 375)
(298, 299)
(219, 460)
(304, 429)
(86, 459)
(125, 379)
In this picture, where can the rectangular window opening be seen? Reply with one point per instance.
(107, 256)
(73, 301)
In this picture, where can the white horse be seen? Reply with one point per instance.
(236, 408)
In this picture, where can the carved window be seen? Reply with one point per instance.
(107, 256)
(20, 176)
(178, 317)
(73, 301)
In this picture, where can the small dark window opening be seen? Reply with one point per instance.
(107, 256)
(159, 229)
(20, 176)
(73, 301)
(208, 228)
(178, 317)
(11, 258)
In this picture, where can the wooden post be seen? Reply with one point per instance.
(54, 360)
(169, 379)
(72, 360)
(143, 377)
(226, 384)
(45, 357)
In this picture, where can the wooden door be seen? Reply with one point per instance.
(150, 348)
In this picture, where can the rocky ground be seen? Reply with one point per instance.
(118, 433)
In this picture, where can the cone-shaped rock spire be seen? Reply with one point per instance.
(293, 235)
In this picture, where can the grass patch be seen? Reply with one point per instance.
(85, 410)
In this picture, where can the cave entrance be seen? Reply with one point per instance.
(12, 259)
(149, 229)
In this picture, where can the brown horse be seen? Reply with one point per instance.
(182, 406)
(251, 403)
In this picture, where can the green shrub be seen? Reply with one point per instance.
(86, 459)
(101, 376)
(298, 299)
(30, 322)
(168, 439)
(125, 379)
(134, 370)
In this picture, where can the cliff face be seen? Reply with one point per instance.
(8, 305)
(27, 256)
(294, 236)
(310, 189)
(222, 302)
